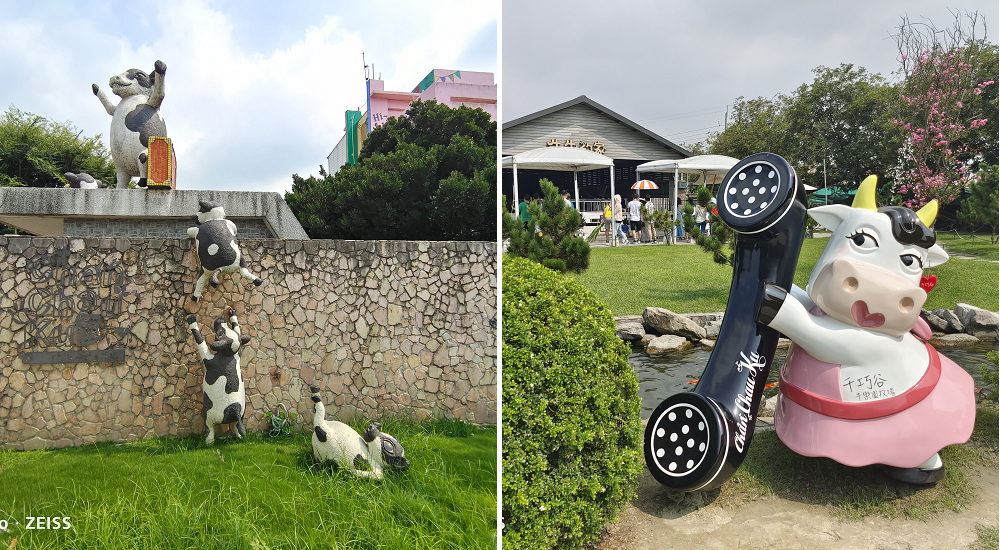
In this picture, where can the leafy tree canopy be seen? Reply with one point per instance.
(36, 152)
(430, 175)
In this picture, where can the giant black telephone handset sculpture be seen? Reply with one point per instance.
(696, 441)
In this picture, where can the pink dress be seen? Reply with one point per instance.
(905, 430)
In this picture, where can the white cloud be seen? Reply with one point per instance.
(240, 118)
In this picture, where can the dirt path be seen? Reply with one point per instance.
(652, 521)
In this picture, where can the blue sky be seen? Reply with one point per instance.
(255, 90)
(674, 65)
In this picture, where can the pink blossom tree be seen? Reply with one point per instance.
(940, 81)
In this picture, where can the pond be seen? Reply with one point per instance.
(663, 375)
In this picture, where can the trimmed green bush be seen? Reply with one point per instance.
(572, 431)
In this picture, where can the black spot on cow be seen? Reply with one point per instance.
(140, 77)
(144, 120)
(232, 413)
(907, 227)
(216, 232)
(208, 404)
(320, 434)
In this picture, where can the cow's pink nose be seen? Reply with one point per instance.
(851, 284)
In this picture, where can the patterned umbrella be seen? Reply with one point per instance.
(645, 184)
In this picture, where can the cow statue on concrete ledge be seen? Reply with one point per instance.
(215, 239)
(134, 120)
(861, 385)
(225, 396)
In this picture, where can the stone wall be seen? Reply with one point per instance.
(154, 228)
(383, 327)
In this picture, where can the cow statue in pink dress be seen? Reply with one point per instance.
(861, 385)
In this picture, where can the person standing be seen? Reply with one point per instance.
(606, 220)
(565, 196)
(635, 219)
(522, 210)
(618, 216)
(649, 212)
(701, 218)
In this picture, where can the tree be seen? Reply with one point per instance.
(845, 119)
(554, 243)
(757, 125)
(36, 152)
(942, 72)
(980, 209)
(430, 175)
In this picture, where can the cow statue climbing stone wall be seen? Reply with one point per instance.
(215, 239)
(861, 385)
(225, 396)
(134, 120)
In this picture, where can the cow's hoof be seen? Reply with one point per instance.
(258, 282)
(141, 182)
(916, 476)
(214, 283)
(194, 298)
(191, 318)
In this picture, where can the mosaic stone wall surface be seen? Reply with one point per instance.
(246, 228)
(383, 327)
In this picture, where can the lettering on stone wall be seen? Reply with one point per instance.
(71, 306)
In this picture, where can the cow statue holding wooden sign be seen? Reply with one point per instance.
(135, 119)
(861, 385)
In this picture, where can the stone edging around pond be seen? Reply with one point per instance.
(660, 330)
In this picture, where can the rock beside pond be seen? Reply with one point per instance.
(706, 344)
(630, 331)
(667, 342)
(978, 322)
(952, 322)
(704, 319)
(936, 322)
(712, 328)
(954, 340)
(664, 321)
(784, 343)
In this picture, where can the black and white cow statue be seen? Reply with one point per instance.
(861, 384)
(215, 238)
(83, 180)
(134, 120)
(225, 396)
(337, 442)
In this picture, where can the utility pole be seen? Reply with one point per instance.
(726, 127)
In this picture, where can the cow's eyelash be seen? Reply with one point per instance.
(866, 234)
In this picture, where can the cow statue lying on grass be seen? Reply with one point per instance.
(225, 396)
(215, 239)
(337, 442)
(861, 385)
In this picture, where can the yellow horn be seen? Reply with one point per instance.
(865, 197)
(928, 213)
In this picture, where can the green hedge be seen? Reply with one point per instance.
(572, 431)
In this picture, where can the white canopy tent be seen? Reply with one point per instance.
(716, 166)
(562, 159)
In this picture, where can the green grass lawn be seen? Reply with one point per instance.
(964, 244)
(254, 494)
(684, 279)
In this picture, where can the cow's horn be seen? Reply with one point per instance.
(928, 213)
(865, 197)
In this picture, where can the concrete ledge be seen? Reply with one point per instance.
(41, 211)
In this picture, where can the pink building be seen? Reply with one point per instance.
(453, 88)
